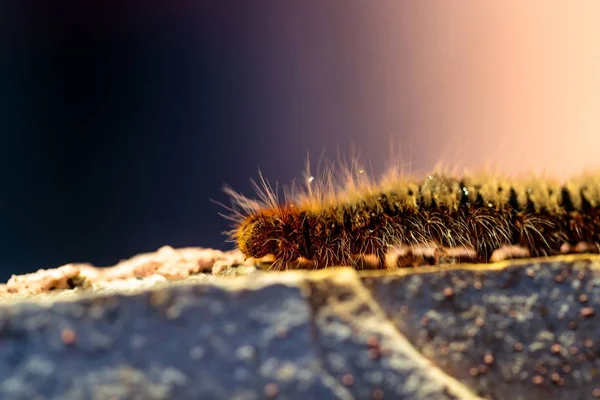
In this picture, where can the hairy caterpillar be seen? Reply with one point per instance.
(338, 222)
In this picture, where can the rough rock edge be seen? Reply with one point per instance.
(165, 264)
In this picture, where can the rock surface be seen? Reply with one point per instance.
(526, 329)
(164, 264)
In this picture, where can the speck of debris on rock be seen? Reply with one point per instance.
(537, 380)
(271, 390)
(68, 336)
(374, 347)
(488, 358)
(374, 353)
(518, 346)
(556, 348)
(557, 379)
(348, 380)
(541, 369)
(572, 325)
(448, 292)
(445, 350)
(372, 341)
(377, 394)
(587, 312)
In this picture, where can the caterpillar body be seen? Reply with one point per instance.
(327, 224)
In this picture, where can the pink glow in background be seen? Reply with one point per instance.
(511, 85)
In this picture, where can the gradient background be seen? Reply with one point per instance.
(118, 123)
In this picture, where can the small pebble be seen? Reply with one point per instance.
(537, 380)
(377, 394)
(556, 378)
(271, 390)
(348, 380)
(518, 346)
(587, 312)
(488, 358)
(68, 336)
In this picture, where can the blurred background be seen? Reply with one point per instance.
(119, 123)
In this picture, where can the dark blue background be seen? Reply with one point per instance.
(119, 122)
(117, 127)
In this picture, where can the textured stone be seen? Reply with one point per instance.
(525, 329)
(518, 330)
(166, 263)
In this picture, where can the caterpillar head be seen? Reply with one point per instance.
(259, 236)
(266, 234)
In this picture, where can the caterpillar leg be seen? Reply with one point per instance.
(581, 247)
(509, 252)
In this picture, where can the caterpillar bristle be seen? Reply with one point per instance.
(348, 218)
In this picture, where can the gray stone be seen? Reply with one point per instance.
(524, 330)
(518, 330)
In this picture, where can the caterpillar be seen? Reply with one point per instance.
(340, 222)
